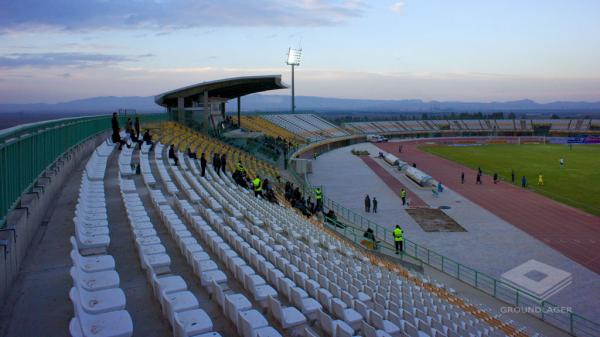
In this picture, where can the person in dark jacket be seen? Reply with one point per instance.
(116, 136)
(173, 155)
(217, 163)
(136, 125)
(223, 162)
(203, 164)
(374, 205)
(115, 123)
(148, 139)
(367, 204)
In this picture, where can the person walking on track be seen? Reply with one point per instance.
(403, 196)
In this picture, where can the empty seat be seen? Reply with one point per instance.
(331, 326)
(95, 281)
(100, 301)
(289, 318)
(191, 322)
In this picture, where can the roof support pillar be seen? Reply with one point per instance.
(239, 104)
(206, 121)
(180, 109)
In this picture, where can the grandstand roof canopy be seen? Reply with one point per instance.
(226, 88)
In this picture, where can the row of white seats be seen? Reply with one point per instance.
(366, 313)
(290, 317)
(235, 306)
(162, 170)
(469, 324)
(313, 234)
(98, 302)
(179, 305)
(125, 157)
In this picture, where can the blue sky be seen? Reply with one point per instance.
(59, 50)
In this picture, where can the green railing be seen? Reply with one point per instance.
(559, 316)
(26, 151)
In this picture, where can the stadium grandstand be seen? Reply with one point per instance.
(307, 126)
(259, 124)
(499, 127)
(105, 237)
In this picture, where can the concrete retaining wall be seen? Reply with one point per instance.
(23, 222)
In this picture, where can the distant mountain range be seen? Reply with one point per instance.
(257, 102)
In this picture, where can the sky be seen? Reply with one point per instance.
(460, 50)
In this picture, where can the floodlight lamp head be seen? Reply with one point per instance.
(294, 57)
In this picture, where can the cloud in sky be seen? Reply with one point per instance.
(78, 15)
(47, 60)
(397, 7)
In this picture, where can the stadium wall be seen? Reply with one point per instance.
(35, 160)
(23, 222)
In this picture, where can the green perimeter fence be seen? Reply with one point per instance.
(26, 151)
(521, 301)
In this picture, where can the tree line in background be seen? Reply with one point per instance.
(339, 118)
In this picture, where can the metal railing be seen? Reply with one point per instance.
(560, 316)
(26, 151)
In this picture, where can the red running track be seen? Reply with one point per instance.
(571, 231)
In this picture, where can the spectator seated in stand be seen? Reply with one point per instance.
(370, 236)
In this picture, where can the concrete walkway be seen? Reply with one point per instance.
(38, 304)
(490, 244)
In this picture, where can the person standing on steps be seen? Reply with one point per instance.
(319, 199)
(374, 205)
(367, 204)
(257, 184)
(217, 163)
(173, 155)
(136, 126)
(223, 162)
(203, 164)
(398, 239)
(403, 196)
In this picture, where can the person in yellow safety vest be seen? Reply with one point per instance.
(398, 238)
(403, 196)
(257, 183)
(240, 168)
(319, 198)
(541, 180)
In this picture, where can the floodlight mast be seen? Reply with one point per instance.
(293, 60)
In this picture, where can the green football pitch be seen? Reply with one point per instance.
(576, 184)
